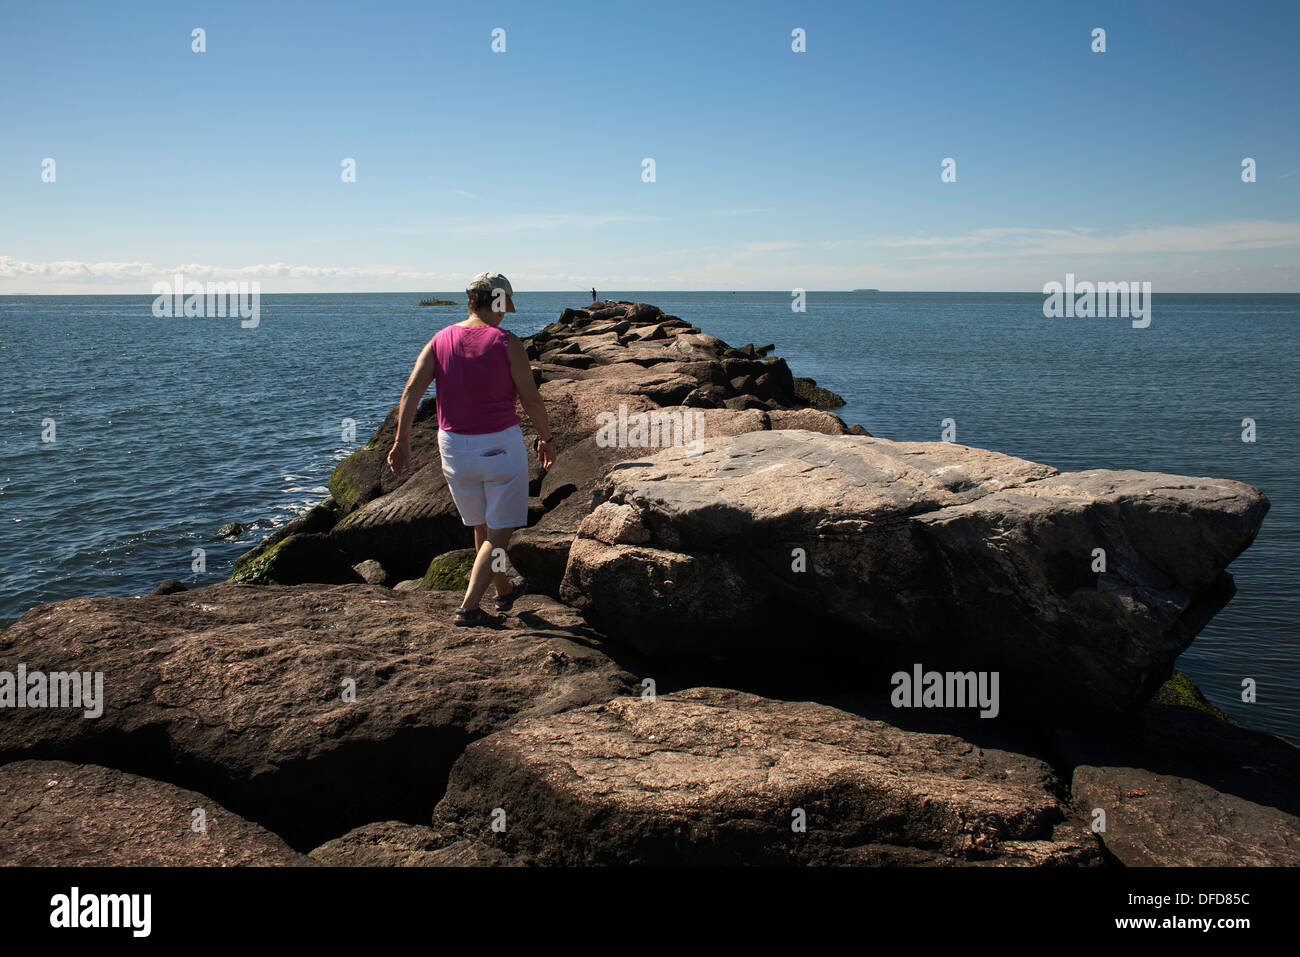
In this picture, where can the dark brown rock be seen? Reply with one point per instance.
(712, 776)
(296, 560)
(395, 844)
(56, 814)
(406, 528)
(242, 692)
(252, 566)
(1183, 788)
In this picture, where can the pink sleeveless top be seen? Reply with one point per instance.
(476, 393)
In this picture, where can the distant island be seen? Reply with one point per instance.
(436, 302)
(866, 290)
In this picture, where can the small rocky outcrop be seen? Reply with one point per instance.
(810, 392)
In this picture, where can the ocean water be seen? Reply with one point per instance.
(166, 429)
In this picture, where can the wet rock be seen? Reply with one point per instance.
(318, 520)
(810, 393)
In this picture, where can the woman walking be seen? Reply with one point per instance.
(480, 370)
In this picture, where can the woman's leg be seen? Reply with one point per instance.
(481, 575)
(499, 579)
(503, 466)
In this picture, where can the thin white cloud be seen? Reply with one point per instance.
(1149, 240)
(145, 273)
(490, 223)
(1243, 256)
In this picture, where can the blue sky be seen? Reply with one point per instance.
(774, 169)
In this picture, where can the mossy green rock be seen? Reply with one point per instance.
(807, 390)
(364, 475)
(1181, 691)
(354, 479)
(255, 566)
(449, 571)
(297, 560)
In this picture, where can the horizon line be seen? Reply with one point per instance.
(782, 292)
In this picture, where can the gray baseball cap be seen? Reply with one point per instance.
(491, 280)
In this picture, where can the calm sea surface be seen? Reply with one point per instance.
(166, 429)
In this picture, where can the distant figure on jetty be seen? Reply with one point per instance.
(593, 293)
(480, 370)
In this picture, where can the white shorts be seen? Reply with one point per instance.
(488, 476)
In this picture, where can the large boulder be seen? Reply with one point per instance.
(309, 709)
(709, 776)
(364, 475)
(56, 814)
(628, 378)
(853, 557)
(810, 420)
(569, 489)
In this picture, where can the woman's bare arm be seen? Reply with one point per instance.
(522, 374)
(416, 385)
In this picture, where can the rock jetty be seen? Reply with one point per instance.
(755, 635)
